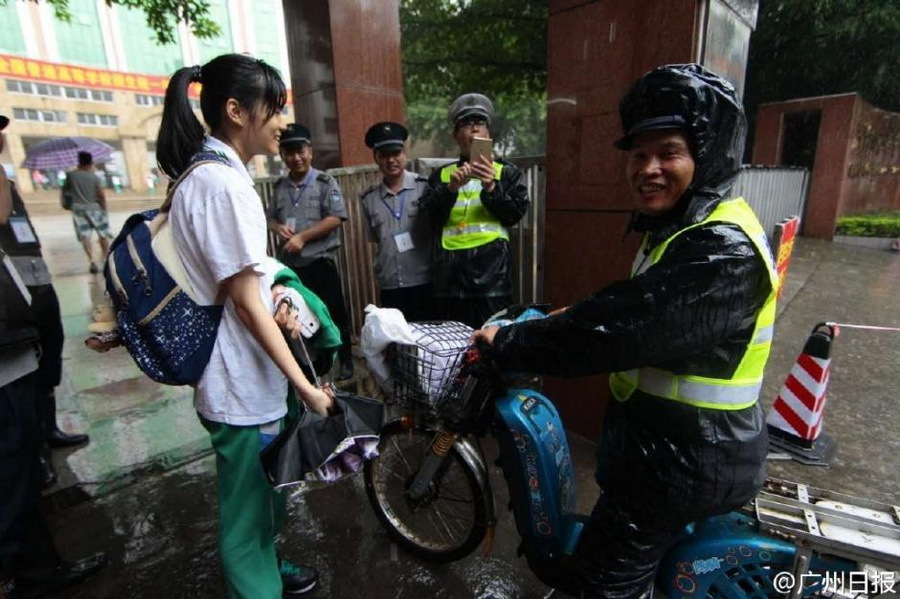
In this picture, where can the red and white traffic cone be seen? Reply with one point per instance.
(795, 420)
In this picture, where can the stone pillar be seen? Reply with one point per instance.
(345, 73)
(596, 49)
(135, 152)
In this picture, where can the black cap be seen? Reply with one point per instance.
(657, 123)
(4, 121)
(295, 135)
(386, 135)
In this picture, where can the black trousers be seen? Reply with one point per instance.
(416, 303)
(25, 540)
(45, 306)
(323, 279)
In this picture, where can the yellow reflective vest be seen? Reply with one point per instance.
(741, 390)
(470, 224)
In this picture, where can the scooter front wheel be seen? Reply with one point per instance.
(445, 525)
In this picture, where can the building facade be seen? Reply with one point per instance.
(104, 76)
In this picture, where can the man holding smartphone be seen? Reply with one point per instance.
(472, 202)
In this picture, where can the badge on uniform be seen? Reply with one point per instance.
(22, 230)
(404, 242)
(336, 196)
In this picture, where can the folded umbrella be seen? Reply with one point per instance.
(62, 152)
(325, 448)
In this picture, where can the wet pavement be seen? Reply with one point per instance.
(143, 489)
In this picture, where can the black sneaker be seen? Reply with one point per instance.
(94, 268)
(297, 580)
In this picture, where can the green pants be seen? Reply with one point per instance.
(250, 513)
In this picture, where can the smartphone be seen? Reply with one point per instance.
(481, 146)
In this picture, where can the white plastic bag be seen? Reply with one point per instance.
(382, 327)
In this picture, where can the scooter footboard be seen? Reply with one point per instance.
(537, 464)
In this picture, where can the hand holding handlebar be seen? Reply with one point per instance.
(485, 336)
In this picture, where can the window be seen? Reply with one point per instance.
(11, 29)
(39, 116)
(78, 41)
(142, 52)
(22, 87)
(145, 100)
(58, 91)
(76, 93)
(45, 89)
(98, 120)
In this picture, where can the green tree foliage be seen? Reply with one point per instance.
(494, 47)
(163, 16)
(804, 48)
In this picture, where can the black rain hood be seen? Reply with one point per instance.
(715, 125)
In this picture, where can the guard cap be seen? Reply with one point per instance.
(295, 135)
(469, 105)
(386, 135)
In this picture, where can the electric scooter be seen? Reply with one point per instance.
(430, 487)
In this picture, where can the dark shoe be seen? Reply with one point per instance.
(297, 580)
(55, 578)
(57, 438)
(94, 269)
(346, 371)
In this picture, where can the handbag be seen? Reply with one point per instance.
(325, 448)
(65, 198)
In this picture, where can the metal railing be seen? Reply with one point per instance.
(774, 192)
(355, 257)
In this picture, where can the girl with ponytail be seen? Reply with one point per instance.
(219, 228)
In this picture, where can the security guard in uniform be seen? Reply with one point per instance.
(404, 241)
(472, 203)
(306, 212)
(686, 337)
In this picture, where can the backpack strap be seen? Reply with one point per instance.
(199, 159)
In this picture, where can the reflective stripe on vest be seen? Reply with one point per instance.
(742, 389)
(470, 224)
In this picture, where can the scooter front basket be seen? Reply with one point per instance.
(428, 371)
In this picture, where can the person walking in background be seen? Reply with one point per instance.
(88, 205)
(219, 228)
(306, 213)
(404, 240)
(472, 202)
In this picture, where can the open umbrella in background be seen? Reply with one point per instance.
(62, 152)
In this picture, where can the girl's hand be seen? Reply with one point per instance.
(319, 401)
(286, 318)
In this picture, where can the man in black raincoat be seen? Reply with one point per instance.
(686, 338)
(471, 203)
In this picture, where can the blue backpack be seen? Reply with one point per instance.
(168, 334)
